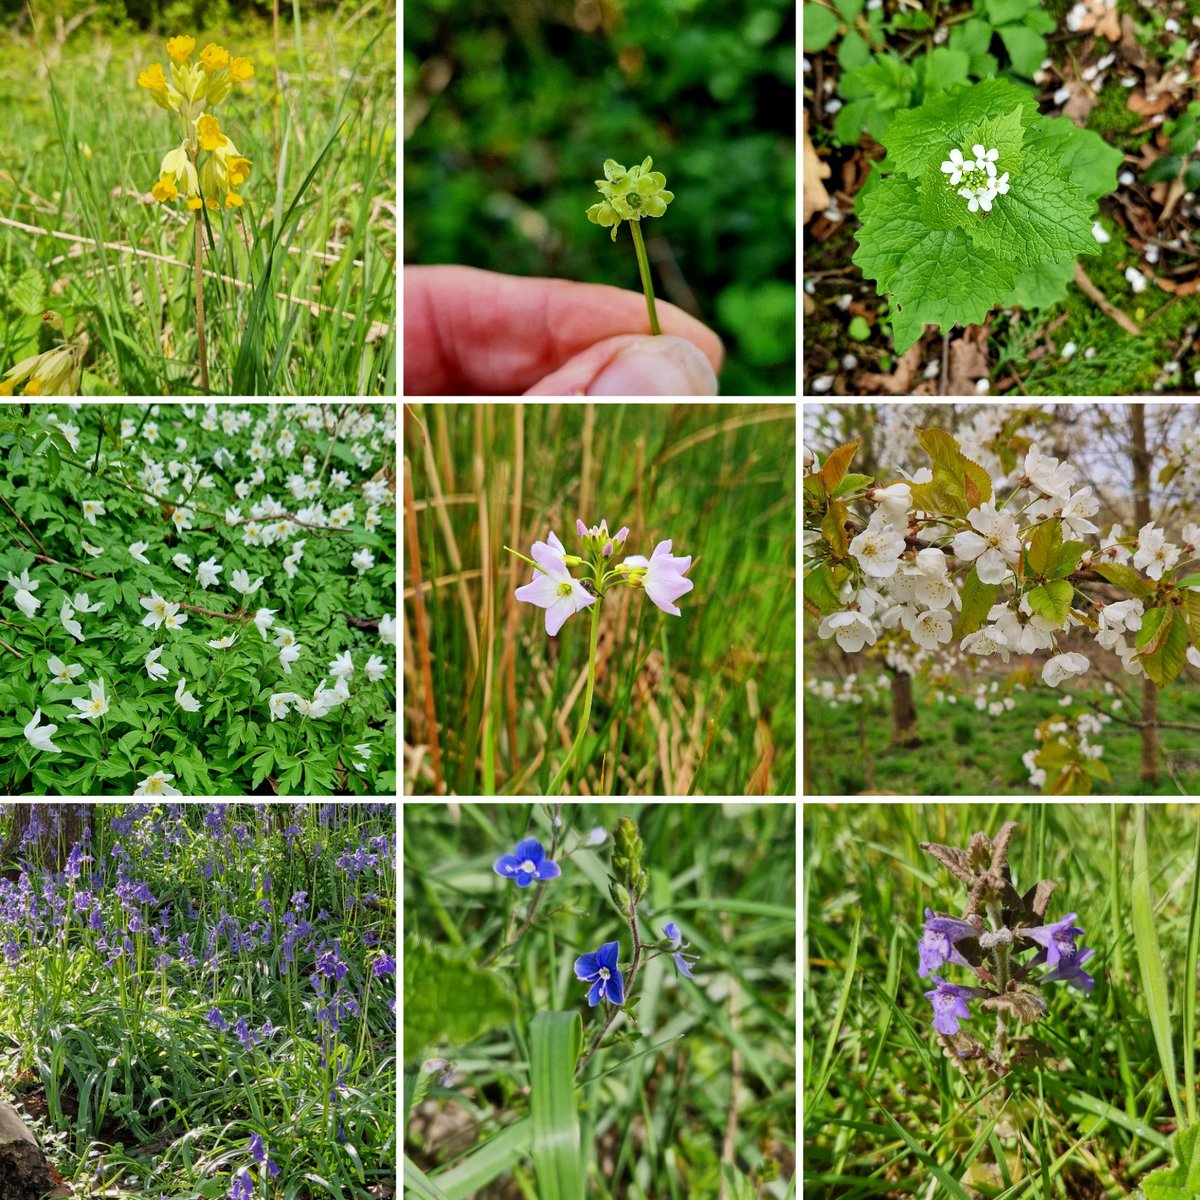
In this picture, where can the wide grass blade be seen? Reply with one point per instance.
(1150, 964)
(1190, 984)
(417, 1184)
(555, 1041)
(488, 1162)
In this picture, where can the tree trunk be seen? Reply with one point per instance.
(24, 1172)
(58, 828)
(904, 711)
(1140, 454)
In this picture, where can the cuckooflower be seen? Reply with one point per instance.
(97, 706)
(62, 672)
(600, 969)
(664, 579)
(683, 962)
(527, 863)
(157, 784)
(553, 587)
(38, 735)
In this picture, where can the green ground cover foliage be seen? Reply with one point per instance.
(301, 298)
(511, 112)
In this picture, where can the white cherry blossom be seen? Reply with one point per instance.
(1064, 666)
(992, 543)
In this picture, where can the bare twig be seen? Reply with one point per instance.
(11, 650)
(1102, 302)
(22, 524)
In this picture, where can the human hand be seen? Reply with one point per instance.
(473, 332)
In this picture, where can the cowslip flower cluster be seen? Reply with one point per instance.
(555, 589)
(997, 926)
(983, 185)
(192, 91)
(629, 195)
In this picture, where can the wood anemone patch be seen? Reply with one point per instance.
(25, 1174)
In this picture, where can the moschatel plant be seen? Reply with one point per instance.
(190, 600)
(980, 202)
(555, 589)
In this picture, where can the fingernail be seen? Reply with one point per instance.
(657, 366)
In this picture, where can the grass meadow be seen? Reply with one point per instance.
(702, 703)
(848, 748)
(299, 284)
(199, 999)
(886, 1112)
(695, 1099)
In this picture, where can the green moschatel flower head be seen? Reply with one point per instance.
(629, 195)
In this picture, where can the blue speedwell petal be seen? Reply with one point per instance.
(682, 965)
(531, 849)
(586, 966)
(607, 955)
(547, 870)
(596, 992)
(671, 930)
(524, 879)
(614, 993)
(506, 865)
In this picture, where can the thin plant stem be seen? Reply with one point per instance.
(199, 273)
(635, 227)
(556, 782)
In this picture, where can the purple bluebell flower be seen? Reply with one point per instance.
(527, 863)
(683, 962)
(949, 1002)
(937, 945)
(242, 1187)
(600, 970)
(217, 1021)
(384, 966)
(258, 1152)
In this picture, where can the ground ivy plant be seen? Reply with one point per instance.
(946, 241)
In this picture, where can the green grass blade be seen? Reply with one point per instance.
(1188, 1044)
(417, 1184)
(952, 1186)
(555, 1040)
(487, 1162)
(835, 1023)
(1150, 965)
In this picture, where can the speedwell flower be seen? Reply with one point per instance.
(600, 970)
(683, 962)
(553, 587)
(527, 863)
(629, 195)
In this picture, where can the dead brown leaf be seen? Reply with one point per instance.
(900, 381)
(1149, 104)
(816, 198)
(968, 361)
(1080, 104)
(1100, 19)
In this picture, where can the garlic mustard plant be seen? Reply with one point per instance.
(629, 195)
(981, 202)
(555, 589)
(205, 169)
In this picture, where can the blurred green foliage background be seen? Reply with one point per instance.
(512, 106)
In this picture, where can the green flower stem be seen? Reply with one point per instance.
(587, 705)
(635, 227)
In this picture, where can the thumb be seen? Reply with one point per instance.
(629, 365)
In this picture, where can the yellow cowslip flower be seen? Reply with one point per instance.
(233, 200)
(241, 69)
(55, 373)
(237, 169)
(180, 47)
(153, 78)
(194, 202)
(209, 129)
(165, 189)
(214, 57)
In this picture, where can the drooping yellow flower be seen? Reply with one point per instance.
(238, 169)
(194, 202)
(180, 47)
(209, 129)
(233, 200)
(153, 78)
(241, 69)
(214, 57)
(165, 189)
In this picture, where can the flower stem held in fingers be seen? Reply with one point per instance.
(644, 268)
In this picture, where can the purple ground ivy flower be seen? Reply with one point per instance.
(937, 945)
(1069, 970)
(600, 970)
(1057, 938)
(527, 863)
(683, 962)
(949, 1002)
(664, 579)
